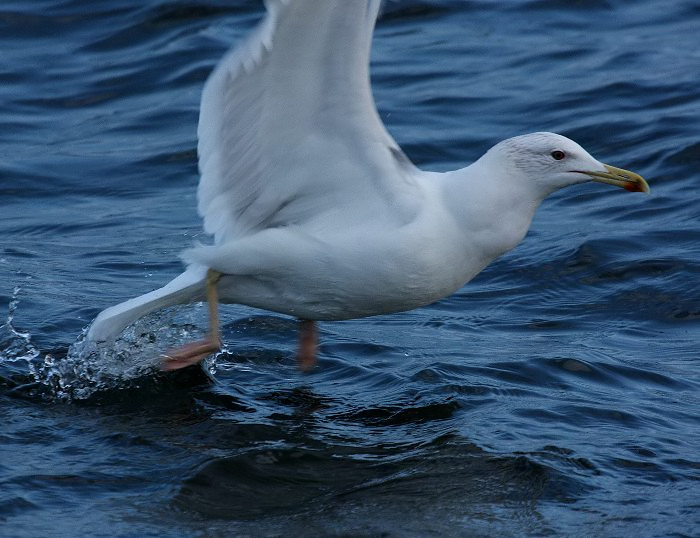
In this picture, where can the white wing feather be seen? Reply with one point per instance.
(288, 129)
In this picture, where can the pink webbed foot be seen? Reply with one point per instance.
(189, 354)
(199, 350)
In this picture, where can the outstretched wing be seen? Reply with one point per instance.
(288, 129)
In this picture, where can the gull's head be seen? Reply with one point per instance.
(550, 161)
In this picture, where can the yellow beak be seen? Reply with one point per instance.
(620, 178)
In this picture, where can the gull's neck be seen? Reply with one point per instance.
(492, 206)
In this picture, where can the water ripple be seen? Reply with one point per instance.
(556, 392)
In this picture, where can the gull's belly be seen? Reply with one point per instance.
(351, 283)
(340, 297)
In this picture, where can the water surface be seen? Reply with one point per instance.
(556, 394)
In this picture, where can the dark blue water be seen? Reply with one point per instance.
(556, 394)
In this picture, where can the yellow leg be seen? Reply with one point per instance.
(213, 302)
(196, 351)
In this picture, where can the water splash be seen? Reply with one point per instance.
(15, 345)
(89, 367)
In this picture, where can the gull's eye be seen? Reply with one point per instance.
(558, 155)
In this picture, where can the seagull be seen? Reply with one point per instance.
(315, 211)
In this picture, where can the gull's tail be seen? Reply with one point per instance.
(186, 288)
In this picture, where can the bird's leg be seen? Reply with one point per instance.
(308, 339)
(196, 351)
